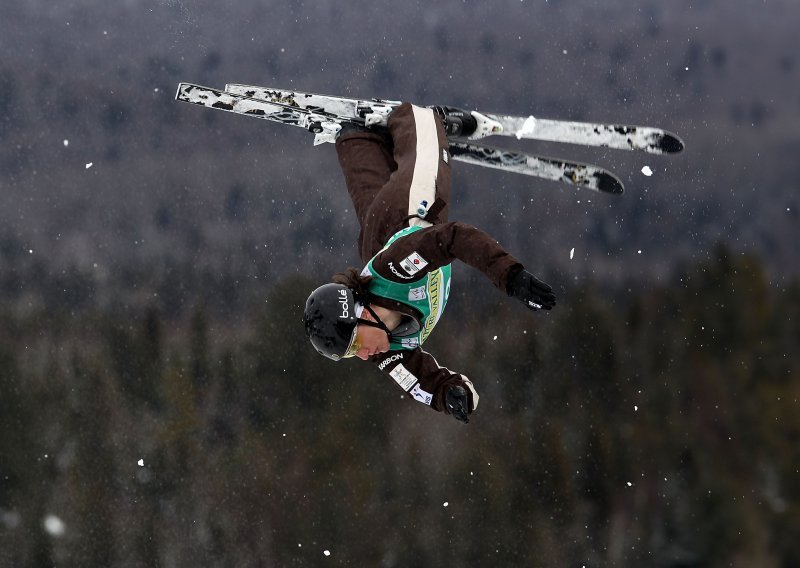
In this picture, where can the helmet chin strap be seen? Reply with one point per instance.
(377, 323)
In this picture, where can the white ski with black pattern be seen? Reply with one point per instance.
(617, 136)
(574, 173)
(325, 124)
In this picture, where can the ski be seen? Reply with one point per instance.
(323, 124)
(326, 124)
(617, 136)
(579, 174)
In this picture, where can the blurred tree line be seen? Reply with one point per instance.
(654, 428)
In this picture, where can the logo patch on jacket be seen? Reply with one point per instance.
(397, 272)
(403, 377)
(388, 360)
(413, 263)
(417, 294)
(422, 396)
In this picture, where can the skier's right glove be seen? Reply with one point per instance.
(531, 291)
(457, 403)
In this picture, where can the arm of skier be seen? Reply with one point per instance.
(420, 376)
(439, 245)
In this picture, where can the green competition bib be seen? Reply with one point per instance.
(428, 294)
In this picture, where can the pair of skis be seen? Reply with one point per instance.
(324, 115)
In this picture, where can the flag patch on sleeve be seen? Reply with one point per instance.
(413, 263)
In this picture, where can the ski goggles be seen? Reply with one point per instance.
(355, 343)
(354, 347)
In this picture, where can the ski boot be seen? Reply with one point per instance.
(465, 124)
(457, 123)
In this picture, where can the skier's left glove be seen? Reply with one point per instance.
(457, 403)
(534, 293)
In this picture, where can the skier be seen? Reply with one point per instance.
(398, 178)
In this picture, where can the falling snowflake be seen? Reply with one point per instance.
(54, 526)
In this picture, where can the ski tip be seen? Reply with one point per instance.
(670, 144)
(609, 183)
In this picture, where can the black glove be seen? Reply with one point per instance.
(531, 291)
(457, 403)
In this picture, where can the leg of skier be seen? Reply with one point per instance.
(365, 156)
(388, 178)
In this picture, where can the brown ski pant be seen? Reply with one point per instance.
(389, 173)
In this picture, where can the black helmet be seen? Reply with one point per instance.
(330, 319)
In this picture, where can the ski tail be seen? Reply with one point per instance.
(323, 124)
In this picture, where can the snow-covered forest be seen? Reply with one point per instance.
(160, 404)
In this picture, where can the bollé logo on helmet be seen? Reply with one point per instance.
(343, 303)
